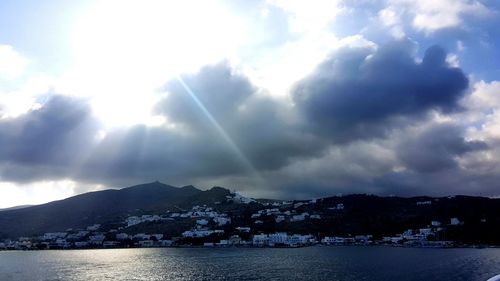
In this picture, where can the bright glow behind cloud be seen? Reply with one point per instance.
(126, 50)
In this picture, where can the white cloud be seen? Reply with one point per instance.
(15, 194)
(431, 15)
(307, 16)
(391, 18)
(12, 64)
(25, 95)
(484, 114)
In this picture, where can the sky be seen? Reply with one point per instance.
(269, 98)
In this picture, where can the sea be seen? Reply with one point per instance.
(342, 263)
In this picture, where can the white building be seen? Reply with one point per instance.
(279, 219)
(157, 236)
(81, 244)
(260, 240)
(300, 217)
(297, 240)
(454, 221)
(93, 227)
(165, 243)
(222, 220)
(202, 222)
(110, 244)
(146, 243)
(243, 229)
(54, 235)
(278, 238)
(257, 215)
(435, 223)
(133, 221)
(141, 236)
(97, 239)
(424, 203)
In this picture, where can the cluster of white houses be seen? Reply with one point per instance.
(203, 212)
(208, 226)
(93, 238)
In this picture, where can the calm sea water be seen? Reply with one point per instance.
(313, 263)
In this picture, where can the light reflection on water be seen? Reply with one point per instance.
(313, 263)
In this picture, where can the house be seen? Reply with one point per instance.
(197, 233)
(279, 219)
(54, 235)
(337, 240)
(363, 238)
(243, 229)
(93, 227)
(260, 240)
(455, 221)
(300, 217)
(298, 240)
(146, 243)
(223, 243)
(165, 243)
(96, 239)
(133, 221)
(110, 244)
(424, 203)
(435, 223)
(141, 236)
(222, 220)
(157, 236)
(278, 238)
(82, 244)
(202, 222)
(77, 236)
(426, 231)
(234, 240)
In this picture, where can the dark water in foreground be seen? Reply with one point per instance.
(313, 263)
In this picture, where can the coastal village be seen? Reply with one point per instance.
(209, 227)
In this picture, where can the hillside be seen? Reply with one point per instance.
(102, 207)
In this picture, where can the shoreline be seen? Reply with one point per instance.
(259, 247)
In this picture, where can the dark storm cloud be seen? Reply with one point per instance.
(259, 126)
(142, 153)
(357, 92)
(218, 89)
(50, 138)
(436, 149)
(321, 146)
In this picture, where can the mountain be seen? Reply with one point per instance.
(103, 207)
(15, 207)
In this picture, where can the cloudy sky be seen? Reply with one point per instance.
(271, 98)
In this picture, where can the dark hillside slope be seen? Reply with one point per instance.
(102, 207)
